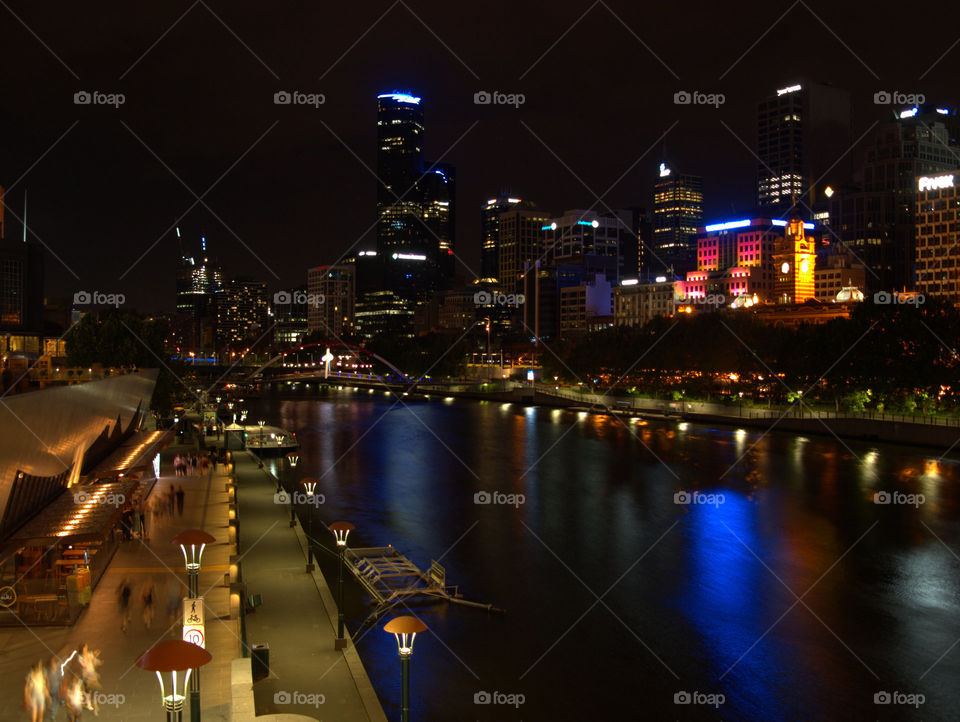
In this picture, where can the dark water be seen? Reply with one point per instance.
(618, 598)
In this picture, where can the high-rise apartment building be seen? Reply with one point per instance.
(242, 312)
(21, 286)
(587, 239)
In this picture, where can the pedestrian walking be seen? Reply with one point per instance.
(174, 601)
(54, 676)
(171, 500)
(123, 598)
(35, 693)
(73, 697)
(142, 511)
(89, 661)
(180, 495)
(146, 598)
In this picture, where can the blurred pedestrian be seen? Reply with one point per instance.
(146, 598)
(123, 598)
(35, 693)
(73, 696)
(89, 661)
(180, 496)
(174, 601)
(171, 500)
(54, 676)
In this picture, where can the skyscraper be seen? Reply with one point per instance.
(874, 216)
(677, 214)
(416, 206)
(21, 288)
(399, 167)
(241, 312)
(198, 279)
(519, 244)
(803, 140)
(438, 197)
(490, 214)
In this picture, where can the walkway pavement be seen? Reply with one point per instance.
(136, 693)
(298, 616)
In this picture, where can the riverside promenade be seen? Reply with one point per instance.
(129, 693)
(298, 616)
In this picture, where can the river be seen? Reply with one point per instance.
(782, 591)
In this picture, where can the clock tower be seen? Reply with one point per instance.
(794, 261)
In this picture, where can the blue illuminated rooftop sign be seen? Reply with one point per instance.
(728, 225)
(401, 98)
(744, 222)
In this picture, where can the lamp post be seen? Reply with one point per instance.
(405, 629)
(293, 459)
(309, 485)
(192, 543)
(260, 454)
(740, 413)
(173, 656)
(340, 529)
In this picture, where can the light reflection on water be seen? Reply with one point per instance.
(693, 597)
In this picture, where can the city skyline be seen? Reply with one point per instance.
(305, 183)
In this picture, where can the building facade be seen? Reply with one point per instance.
(938, 236)
(677, 214)
(803, 143)
(331, 299)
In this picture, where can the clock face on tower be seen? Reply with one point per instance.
(785, 268)
(804, 266)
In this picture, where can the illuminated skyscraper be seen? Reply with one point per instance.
(874, 215)
(438, 197)
(198, 279)
(490, 214)
(399, 167)
(21, 285)
(677, 214)
(803, 144)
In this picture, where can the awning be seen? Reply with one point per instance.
(81, 513)
(134, 454)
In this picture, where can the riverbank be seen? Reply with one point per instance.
(892, 430)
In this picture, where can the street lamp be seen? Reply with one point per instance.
(405, 629)
(260, 454)
(740, 413)
(293, 459)
(173, 655)
(310, 485)
(340, 529)
(189, 542)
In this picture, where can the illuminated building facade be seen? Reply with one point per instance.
(383, 312)
(587, 239)
(795, 262)
(400, 132)
(938, 236)
(198, 280)
(490, 214)
(874, 215)
(519, 244)
(438, 188)
(289, 311)
(803, 139)
(331, 294)
(735, 258)
(241, 312)
(677, 214)
(637, 302)
(838, 269)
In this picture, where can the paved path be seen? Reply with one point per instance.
(297, 618)
(136, 690)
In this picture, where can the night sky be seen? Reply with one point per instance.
(289, 186)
